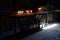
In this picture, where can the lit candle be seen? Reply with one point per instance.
(40, 9)
(20, 12)
(30, 11)
(27, 11)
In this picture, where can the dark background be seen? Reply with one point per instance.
(14, 5)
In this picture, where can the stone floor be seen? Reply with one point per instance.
(52, 33)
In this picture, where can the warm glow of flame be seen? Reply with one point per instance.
(40, 9)
(20, 12)
(27, 11)
(30, 11)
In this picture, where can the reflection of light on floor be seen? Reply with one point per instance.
(50, 26)
(42, 25)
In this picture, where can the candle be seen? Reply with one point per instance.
(27, 11)
(20, 12)
(40, 9)
(30, 11)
